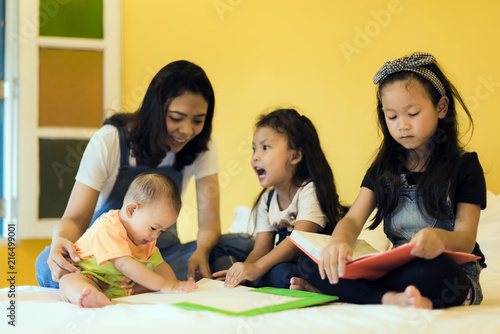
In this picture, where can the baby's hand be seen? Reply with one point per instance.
(184, 286)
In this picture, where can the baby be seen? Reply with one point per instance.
(119, 249)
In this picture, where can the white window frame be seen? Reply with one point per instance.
(29, 42)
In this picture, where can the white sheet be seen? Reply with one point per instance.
(39, 310)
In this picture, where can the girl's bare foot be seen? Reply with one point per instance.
(411, 297)
(93, 298)
(297, 283)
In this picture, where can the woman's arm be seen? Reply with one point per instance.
(207, 194)
(72, 225)
(431, 242)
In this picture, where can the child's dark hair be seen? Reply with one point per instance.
(301, 135)
(148, 129)
(148, 188)
(437, 183)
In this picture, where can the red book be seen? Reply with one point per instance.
(368, 266)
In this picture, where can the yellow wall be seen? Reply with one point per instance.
(26, 252)
(321, 56)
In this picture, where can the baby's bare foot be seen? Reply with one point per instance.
(93, 298)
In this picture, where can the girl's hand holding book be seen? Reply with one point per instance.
(428, 243)
(333, 260)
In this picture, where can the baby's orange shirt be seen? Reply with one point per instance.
(107, 239)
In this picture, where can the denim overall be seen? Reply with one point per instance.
(127, 174)
(406, 220)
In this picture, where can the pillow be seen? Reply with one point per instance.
(242, 222)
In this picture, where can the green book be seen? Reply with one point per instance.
(240, 301)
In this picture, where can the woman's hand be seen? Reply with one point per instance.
(428, 243)
(333, 260)
(207, 194)
(241, 272)
(61, 252)
(198, 265)
(69, 229)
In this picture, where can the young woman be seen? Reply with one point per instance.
(170, 134)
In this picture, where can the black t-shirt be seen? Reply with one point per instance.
(471, 185)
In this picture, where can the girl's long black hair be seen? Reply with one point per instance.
(302, 136)
(147, 136)
(437, 183)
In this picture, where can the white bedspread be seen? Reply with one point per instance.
(40, 310)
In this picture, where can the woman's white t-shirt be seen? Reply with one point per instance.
(304, 206)
(101, 161)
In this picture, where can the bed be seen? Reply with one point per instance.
(40, 310)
